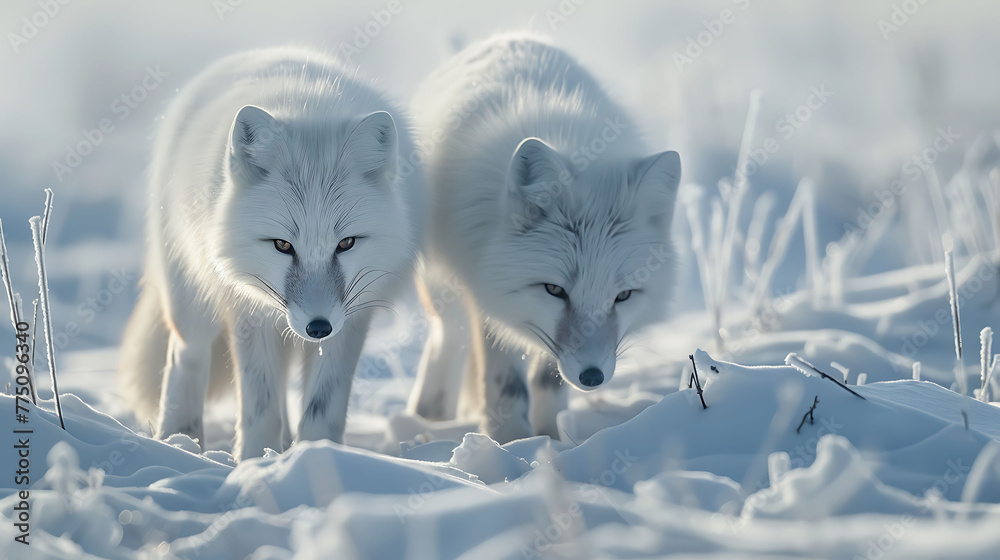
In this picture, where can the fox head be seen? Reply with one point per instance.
(309, 219)
(583, 255)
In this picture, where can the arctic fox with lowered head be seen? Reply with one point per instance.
(551, 224)
(278, 220)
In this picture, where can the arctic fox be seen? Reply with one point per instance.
(549, 222)
(277, 207)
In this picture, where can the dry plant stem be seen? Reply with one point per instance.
(43, 289)
(735, 204)
(797, 362)
(808, 414)
(7, 283)
(956, 320)
(985, 352)
(697, 382)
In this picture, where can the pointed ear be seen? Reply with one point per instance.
(657, 178)
(372, 147)
(536, 176)
(252, 143)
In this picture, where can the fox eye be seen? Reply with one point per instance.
(622, 296)
(345, 244)
(556, 291)
(284, 247)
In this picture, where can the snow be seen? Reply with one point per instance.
(642, 470)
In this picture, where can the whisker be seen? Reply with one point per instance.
(542, 335)
(353, 298)
(267, 289)
(361, 274)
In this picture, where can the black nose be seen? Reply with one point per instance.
(321, 328)
(591, 377)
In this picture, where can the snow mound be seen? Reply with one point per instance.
(911, 434)
(483, 457)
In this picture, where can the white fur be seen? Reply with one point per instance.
(271, 144)
(511, 129)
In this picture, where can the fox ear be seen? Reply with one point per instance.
(536, 176)
(252, 143)
(657, 178)
(372, 147)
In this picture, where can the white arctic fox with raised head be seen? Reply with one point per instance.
(549, 221)
(278, 220)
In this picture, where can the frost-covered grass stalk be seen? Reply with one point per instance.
(7, 283)
(45, 232)
(692, 204)
(949, 268)
(734, 204)
(779, 246)
(43, 290)
(991, 193)
(985, 352)
(980, 470)
(991, 376)
(762, 208)
(814, 273)
(14, 300)
(937, 203)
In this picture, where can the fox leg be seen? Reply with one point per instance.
(548, 396)
(435, 393)
(327, 388)
(258, 355)
(505, 416)
(189, 353)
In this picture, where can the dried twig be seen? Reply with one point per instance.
(805, 367)
(697, 382)
(5, 275)
(15, 307)
(43, 292)
(949, 269)
(809, 414)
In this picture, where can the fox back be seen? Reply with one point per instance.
(545, 203)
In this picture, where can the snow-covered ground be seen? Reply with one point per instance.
(887, 131)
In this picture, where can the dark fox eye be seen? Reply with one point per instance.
(622, 296)
(556, 291)
(345, 244)
(284, 247)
